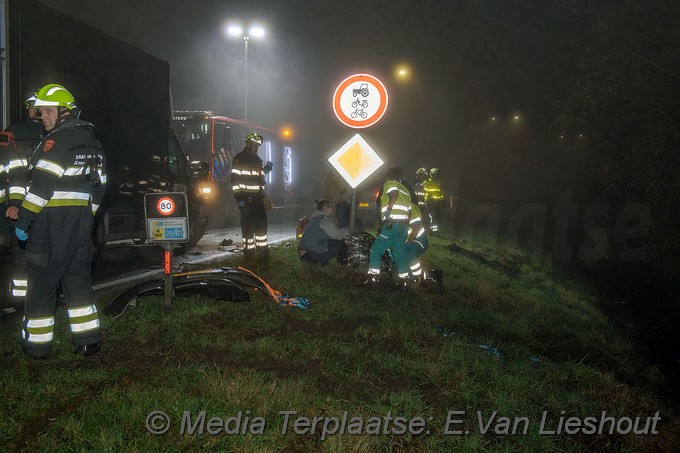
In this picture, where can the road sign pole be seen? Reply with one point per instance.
(169, 290)
(353, 212)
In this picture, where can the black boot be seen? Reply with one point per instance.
(88, 349)
(263, 261)
(402, 285)
(372, 282)
(250, 259)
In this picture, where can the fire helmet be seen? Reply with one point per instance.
(421, 171)
(28, 99)
(54, 95)
(255, 137)
(434, 172)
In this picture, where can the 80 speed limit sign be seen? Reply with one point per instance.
(165, 206)
(167, 217)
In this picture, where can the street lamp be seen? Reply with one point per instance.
(253, 32)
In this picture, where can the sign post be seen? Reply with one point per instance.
(167, 220)
(359, 101)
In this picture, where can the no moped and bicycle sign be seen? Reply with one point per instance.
(360, 101)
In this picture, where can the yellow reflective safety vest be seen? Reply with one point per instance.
(433, 190)
(402, 207)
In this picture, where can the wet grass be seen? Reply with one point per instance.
(508, 337)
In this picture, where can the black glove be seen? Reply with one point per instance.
(268, 167)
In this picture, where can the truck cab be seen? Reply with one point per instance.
(123, 91)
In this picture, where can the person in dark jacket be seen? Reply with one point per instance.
(56, 219)
(247, 180)
(17, 143)
(322, 239)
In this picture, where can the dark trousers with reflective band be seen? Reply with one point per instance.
(254, 231)
(12, 262)
(58, 251)
(436, 210)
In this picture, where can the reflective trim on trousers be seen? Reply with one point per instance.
(19, 287)
(83, 319)
(38, 330)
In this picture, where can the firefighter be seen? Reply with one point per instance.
(417, 184)
(395, 203)
(247, 179)
(434, 199)
(17, 143)
(56, 219)
(416, 244)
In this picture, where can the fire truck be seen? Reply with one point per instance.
(211, 141)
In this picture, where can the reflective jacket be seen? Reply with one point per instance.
(401, 207)
(433, 189)
(419, 190)
(67, 169)
(247, 176)
(17, 143)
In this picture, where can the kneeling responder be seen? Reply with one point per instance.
(395, 205)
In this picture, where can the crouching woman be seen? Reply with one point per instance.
(322, 239)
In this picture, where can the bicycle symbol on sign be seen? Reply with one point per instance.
(360, 104)
(358, 112)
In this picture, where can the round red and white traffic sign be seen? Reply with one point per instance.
(360, 101)
(166, 206)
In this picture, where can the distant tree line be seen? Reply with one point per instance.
(624, 106)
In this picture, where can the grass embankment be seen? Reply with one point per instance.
(500, 360)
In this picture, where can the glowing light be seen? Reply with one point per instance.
(402, 72)
(256, 32)
(234, 30)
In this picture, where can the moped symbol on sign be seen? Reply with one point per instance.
(360, 101)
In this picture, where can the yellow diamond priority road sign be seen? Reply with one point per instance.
(355, 161)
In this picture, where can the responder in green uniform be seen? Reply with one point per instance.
(434, 199)
(56, 218)
(17, 143)
(395, 203)
(247, 180)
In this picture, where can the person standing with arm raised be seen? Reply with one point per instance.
(247, 180)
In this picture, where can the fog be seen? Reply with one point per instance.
(469, 61)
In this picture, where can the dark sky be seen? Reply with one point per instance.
(470, 60)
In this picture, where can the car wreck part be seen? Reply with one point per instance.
(223, 283)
